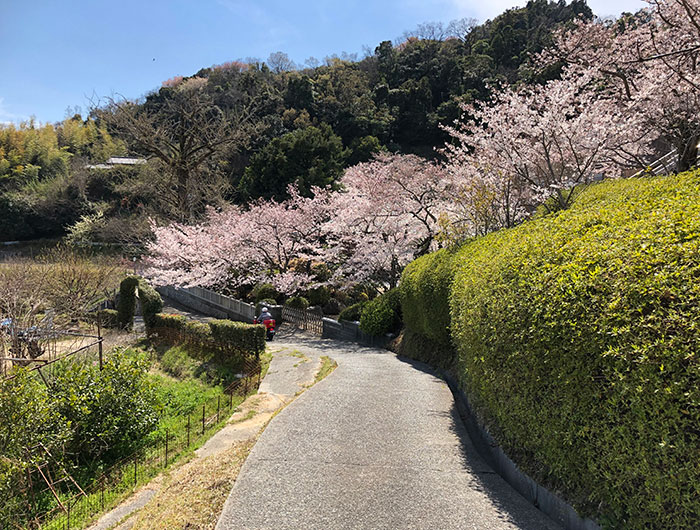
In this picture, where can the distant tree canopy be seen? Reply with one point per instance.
(308, 157)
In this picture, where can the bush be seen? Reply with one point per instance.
(383, 314)
(577, 342)
(352, 313)
(264, 291)
(110, 410)
(297, 302)
(238, 337)
(269, 302)
(151, 302)
(425, 290)
(127, 301)
(109, 318)
(318, 296)
(332, 307)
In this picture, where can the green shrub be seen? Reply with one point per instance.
(110, 410)
(318, 296)
(352, 313)
(297, 302)
(269, 302)
(109, 318)
(577, 338)
(151, 302)
(332, 307)
(264, 291)
(238, 337)
(383, 314)
(127, 301)
(425, 290)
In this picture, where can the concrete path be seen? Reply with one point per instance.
(378, 444)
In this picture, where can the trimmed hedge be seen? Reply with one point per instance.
(425, 291)
(577, 339)
(352, 313)
(109, 318)
(127, 301)
(238, 336)
(383, 314)
(297, 302)
(318, 296)
(225, 337)
(151, 302)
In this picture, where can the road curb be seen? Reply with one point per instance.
(543, 499)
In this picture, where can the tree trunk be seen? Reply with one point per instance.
(688, 155)
(182, 193)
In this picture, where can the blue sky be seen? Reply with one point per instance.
(60, 53)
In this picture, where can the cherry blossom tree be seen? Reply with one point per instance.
(649, 62)
(234, 246)
(387, 215)
(532, 144)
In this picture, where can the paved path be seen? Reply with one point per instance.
(378, 444)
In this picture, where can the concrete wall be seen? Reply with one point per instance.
(351, 332)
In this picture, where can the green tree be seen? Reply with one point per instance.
(306, 157)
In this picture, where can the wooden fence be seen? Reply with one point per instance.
(303, 319)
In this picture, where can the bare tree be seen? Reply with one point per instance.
(184, 129)
(280, 62)
(438, 31)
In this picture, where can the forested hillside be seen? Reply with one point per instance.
(240, 131)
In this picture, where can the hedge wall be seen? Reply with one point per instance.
(382, 315)
(425, 290)
(238, 336)
(109, 318)
(577, 339)
(224, 337)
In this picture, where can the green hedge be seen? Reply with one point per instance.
(268, 302)
(238, 336)
(151, 302)
(224, 337)
(352, 313)
(318, 296)
(109, 318)
(383, 314)
(264, 291)
(425, 290)
(297, 302)
(127, 301)
(577, 339)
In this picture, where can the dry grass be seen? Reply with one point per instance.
(193, 495)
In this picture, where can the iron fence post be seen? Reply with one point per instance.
(166, 448)
(218, 408)
(204, 405)
(188, 430)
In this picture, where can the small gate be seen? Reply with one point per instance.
(303, 319)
